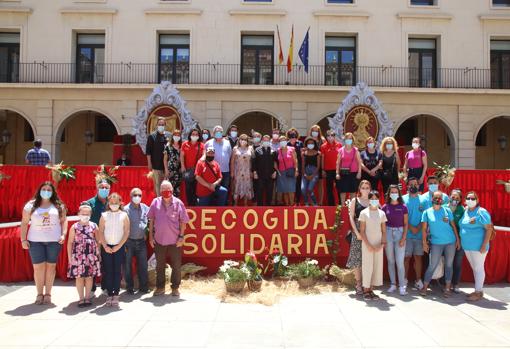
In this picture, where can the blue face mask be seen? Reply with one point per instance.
(433, 188)
(205, 136)
(218, 135)
(103, 193)
(371, 145)
(374, 203)
(46, 194)
(348, 141)
(394, 196)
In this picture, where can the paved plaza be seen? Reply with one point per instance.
(328, 320)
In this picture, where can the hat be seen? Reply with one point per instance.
(210, 149)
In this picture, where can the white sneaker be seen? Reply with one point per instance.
(418, 284)
(402, 291)
(104, 292)
(392, 289)
(456, 289)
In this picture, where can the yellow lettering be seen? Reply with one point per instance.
(194, 247)
(192, 218)
(294, 245)
(205, 219)
(320, 218)
(252, 243)
(286, 219)
(204, 243)
(308, 247)
(250, 212)
(300, 212)
(276, 242)
(320, 242)
(223, 250)
(224, 216)
(241, 243)
(273, 220)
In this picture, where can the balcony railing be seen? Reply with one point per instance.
(234, 74)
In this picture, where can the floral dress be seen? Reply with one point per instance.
(243, 184)
(84, 258)
(174, 167)
(354, 259)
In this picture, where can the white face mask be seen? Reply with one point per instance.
(310, 146)
(394, 196)
(194, 138)
(233, 134)
(176, 138)
(416, 146)
(266, 144)
(84, 218)
(276, 136)
(136, 199)
(114, 207)
(389, 146)
(283, 144)
(243, 143)
(161, 129)
(315, 134)
(471, 203)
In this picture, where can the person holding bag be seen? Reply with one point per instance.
(287, 172)
(191, 151)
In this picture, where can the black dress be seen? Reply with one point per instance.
(389, 171)
(371, 160)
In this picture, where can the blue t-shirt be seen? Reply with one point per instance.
(472, 235)
(427, 199)
(441, 231)
(415, 207)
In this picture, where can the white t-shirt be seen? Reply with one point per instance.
(114, 226)
(44, 224)
(373, 220)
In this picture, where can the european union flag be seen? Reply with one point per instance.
(303, 51)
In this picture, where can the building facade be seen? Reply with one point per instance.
(74, 73)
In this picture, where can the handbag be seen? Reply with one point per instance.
(345, 171)
(189, 174)
(289, 174)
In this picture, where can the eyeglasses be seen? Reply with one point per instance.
(471, 199)
(140, 195)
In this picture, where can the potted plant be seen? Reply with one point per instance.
(277, 263)
(306, 273)
(254, 267)
(234, 276)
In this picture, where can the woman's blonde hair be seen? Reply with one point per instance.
(388, 140)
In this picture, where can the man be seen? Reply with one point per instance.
(414, 247)
(37, 156)
(210, 192)
(168, 218)
(135, 245)
(232, 136)
(275, 140)
(264, 171)
(222, 154)
(154, 151)
(329, 152)
(433, 186)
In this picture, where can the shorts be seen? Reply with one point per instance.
(44, 252)
(414, 247)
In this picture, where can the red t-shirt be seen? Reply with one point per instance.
(190, 151)
(209, 173)
(330, 153)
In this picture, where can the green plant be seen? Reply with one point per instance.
(445, 174)
(309, 268)
(109, 175)
(61, 171)
(277, 262)
(334, 244)
(232, 272)
(253, 266)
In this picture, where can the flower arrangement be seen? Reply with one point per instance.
(61, 171)
(505, 183)
(234, 275)
(306, 273)
(445, 174)
(254, 267)
(103, 174)
(277, 262)
(334, 244)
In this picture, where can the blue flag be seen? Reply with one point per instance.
(303, 51)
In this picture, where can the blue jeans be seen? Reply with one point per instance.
(308, 185)
(138, 249)
(225, 180)
(44, 252)
(218, 198)
(436, 252)
(395, 254)
(112, 263)
(457, 266)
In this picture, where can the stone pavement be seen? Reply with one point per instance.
(331, 320)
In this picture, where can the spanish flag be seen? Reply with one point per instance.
(280, 53)
(290, 57)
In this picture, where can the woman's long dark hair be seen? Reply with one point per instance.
(387, 197)
(55, 200)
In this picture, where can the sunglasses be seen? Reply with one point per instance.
(140, 195)
(471, 199)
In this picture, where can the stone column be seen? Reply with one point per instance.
(213, 115)
(466, 139)
(44, 128)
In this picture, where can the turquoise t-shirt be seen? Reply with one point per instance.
(427, 199)
(441, 232)
(472, 235)
(415, 207)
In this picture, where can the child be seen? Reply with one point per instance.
(373, 234)
(113, 232)
(83, 254)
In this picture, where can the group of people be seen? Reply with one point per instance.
(406, 226)
(276, 169)
(104, 241)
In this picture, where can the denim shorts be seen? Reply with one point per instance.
(414, 247)
(41, 252)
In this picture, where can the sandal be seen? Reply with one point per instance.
(374, 296)
(39, 299)
(423, 292)
(367, 296)
(359, 291)
(87, 303)
(47, 299)
(81, 303)
(447, 293)
(108, 302)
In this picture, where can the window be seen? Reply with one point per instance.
(9, 57)
(105, 130)
(340, 61)
(501, 3)
(500, 63)
(257, 67)
(340, 1)
(90, 58)
(174, 58)
(423, 2)
(422, 63)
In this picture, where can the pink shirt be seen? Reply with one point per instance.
(167, 220)
(415, 158)
(349, 159)
(286, 160)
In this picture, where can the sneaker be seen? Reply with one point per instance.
(418, 284)
(392, 289)
(104, 292)
(402, 290)
(130, 291)
(456, 289)
(108, 302)
(144, 290)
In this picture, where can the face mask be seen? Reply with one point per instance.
(471, 203)
(209, 158)
(84, 218)
(103, 193)
(310, 146)
(161, 129)
(176, 138)
(46, 194)
(283, 144)
(218, 135)
(437, 201)
(389, 146)
(292, 136)
(276, 136)
(256, 140)
(433, 188)
(194, 138)
(266, 144)
(374, 203)
(416, 146)
(365, 192)
(413, 189)
(394, 196)
(371, 145)
(205, 136)
(136, 200)
(233, 134)
(114, 207)
(166, 194)
(348, 141)
(454, 202)
(315, 134)
(244, 143)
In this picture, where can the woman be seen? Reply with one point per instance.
(44, 239)
(358, 204)
(396, 234)
(371, 163)
(287, 172)
(206, 135)
(373, 235)
(113, 233)
(256, 140)
(348, 169)
(415, 163)
(172, 161)
(316, 133)
(457, 209)
(293, 136)
(444, 240)
(329, 151)
(311, 160)
(240, 171)
(191, 151)
(390, 162)
(475, 233)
